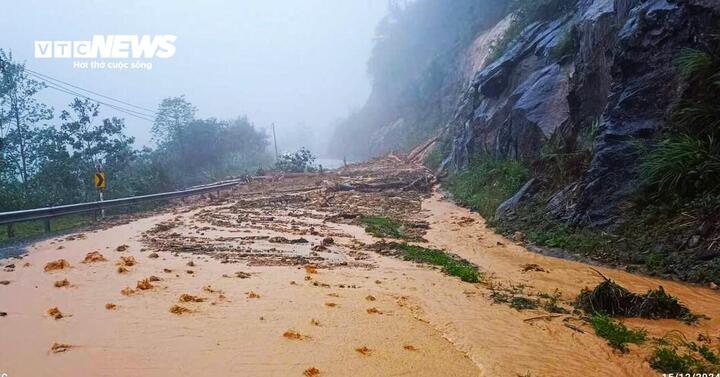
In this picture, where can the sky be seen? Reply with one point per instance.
(298, 63)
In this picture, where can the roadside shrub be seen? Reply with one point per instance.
(296, 162)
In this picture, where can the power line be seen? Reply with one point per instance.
(58, 85)
(120, 109)
(130, 112)
(75, 93)
(88, 91)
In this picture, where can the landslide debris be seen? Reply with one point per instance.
(612, 299)
(295, 220)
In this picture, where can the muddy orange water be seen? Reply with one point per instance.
(387, 319)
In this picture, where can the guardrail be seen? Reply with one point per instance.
(50, 212)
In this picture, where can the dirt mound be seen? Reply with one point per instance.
(110, 306)
(94, 257)
(190, 298)
(59, 264)
(62, 283)
(177, 309)
(612, 299)
(311, 372)
(127, 291)
(126, 261)
(55, 313)
(144, 284)
(122, 248)
(310, 269)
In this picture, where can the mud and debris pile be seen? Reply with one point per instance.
(612, 299)
(288, 219)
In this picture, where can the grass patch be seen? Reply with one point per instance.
(649, 241)
(567, 238)
(668, 360)
(617, 334)
(381, 227)
(500, 297)
(708, 354)
(487, 183)
(681, 164)
(451, 265)
(522, 303)
(30, 229)
(551, 303)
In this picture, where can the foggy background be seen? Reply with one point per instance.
(298, 63)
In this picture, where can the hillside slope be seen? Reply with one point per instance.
(587, 95)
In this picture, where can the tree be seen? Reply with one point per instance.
(173, 116)
(23, 113)
(92, 142)
(54, 164)
(298, 162)
(209, 149)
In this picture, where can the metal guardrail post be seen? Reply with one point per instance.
(10, 231)
(46, 225)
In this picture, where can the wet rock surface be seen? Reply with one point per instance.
(616, 85)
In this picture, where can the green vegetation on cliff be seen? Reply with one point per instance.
(525, 13)
(487, 183)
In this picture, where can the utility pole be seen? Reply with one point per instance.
(275, 140)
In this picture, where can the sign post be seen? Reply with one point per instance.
(101, 185)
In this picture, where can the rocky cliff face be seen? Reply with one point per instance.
(599, 79)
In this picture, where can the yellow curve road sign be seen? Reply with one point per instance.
(100, 181)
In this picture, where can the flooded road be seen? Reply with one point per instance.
(279, 279)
